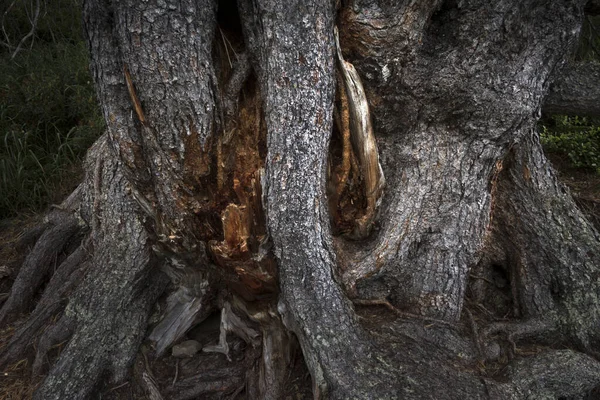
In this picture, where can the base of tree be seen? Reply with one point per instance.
(218, 205)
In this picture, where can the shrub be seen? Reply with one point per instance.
(576, 137)
(49, 115)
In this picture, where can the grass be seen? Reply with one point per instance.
(49, 115)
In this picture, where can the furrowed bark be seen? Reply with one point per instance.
(196, 143)
(158, 99)
(443, 122)
(108, 312)
(552, 248)
(297, 80)
(575, 91)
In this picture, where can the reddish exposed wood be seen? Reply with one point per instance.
(137, 106)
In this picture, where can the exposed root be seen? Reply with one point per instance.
(554, 374)
(231, 323)
(66, 277)
(56, 334)
(20, 341)
(276, 359)
(227, 380)
(400, 313)
(534, 328)
(31, 236)
(108, 311)
(52, 301)
(37, 265)
(552, 251)
(151, 387)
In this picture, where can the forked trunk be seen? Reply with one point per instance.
(382, 200)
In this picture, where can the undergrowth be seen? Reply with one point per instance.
(578, 138)
(48, 110)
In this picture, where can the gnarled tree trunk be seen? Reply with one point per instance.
(243, 172)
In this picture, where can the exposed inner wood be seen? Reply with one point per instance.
(354, 122)
(241, 156)
(134, 98)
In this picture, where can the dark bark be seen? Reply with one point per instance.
(107, 314)
(445, 120)
(552, 251)
(44, 256)
(592, 7)
(576, 91)
(53, 300)
(231, 181)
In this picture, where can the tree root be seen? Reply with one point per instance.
(230, 322)
(20, 341)
(108, 311)
(219, 381)
(554, 374)
(275, 360)
(37, 266)
(151, 386)
(64, 279)
(102, 342)
(68, 274)
(538, 328)
(57, 333)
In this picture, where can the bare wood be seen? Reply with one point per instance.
(151, 387)
(137, 105)
(346, 142)
(363, 140)
(179, 317)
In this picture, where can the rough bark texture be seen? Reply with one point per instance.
(445, 119)
(297, 78)
(221, 179)
(107, 315)
(575, 91)
(551, 251)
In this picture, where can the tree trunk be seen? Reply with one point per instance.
(243, 172)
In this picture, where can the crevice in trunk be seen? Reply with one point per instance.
(355, 205)
(549, 248)
(206, 203)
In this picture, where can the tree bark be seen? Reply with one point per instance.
(223, 185)
(575, 91)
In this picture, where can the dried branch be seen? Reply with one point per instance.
(34, 23)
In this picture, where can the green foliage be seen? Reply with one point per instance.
(48, 110)
(576, 137)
